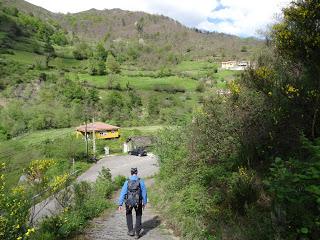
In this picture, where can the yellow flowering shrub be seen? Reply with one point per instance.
(291, 91)
(243, 189)
(58, 182)
(38, 168)
(234, 88)
(14, 205)
(264, 72)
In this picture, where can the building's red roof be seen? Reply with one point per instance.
(97, 126)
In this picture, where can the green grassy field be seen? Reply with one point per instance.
(193, 65)
(23, 57)
(32, 58)
(139, 83)
(137, 78)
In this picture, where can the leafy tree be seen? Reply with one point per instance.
(92, 96)
(59, 38)
(96, 66)
(101, 52)
(154, 106)
(81, 51)
(133, 51)
(134, 100)
(112, 65)
(49, 52)
(113, 106)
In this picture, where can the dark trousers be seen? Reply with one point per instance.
(138, 210)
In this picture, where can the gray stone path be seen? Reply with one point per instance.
(113, 227)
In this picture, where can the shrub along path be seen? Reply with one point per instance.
(113, 226)
(119, 165)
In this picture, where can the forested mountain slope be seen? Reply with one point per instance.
(157, 33)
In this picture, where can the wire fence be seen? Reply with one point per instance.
(48, 206)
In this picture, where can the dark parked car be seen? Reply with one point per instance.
(138, 152)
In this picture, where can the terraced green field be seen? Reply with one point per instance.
(140, 83)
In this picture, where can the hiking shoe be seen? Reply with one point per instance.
(131, 233)
(138, 235)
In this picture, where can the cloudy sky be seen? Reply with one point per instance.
(239, 17)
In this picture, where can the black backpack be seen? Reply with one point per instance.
(133, 198)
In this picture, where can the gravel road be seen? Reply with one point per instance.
(121, 165)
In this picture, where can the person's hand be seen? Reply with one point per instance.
(120, 208)
(144, 206)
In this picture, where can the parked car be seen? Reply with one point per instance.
(138, 152)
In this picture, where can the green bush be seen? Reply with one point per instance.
(201, 87)
(82, 192)
(82, 51)
(112, 65)
(90, 199)
(168, 88)
(119, 181)
(243, 190)
(96, 66)
(294, 185)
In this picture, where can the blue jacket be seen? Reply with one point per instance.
(124, 190)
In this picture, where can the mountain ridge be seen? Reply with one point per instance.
(117, 25)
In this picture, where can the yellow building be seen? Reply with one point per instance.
(102, 130)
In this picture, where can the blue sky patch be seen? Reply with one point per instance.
(219, 7)
(219, 20)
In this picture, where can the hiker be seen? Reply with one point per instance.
(134, 192)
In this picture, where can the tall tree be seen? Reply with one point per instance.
(49, 51)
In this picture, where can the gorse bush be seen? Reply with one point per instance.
(16, 219)
(243, 190)
(14, 205)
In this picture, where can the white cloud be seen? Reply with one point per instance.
(240, 17)
(243, 17)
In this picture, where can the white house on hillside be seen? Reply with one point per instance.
(235, 65)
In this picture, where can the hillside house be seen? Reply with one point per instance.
(228, 64)
(102, 130)
(235, 65)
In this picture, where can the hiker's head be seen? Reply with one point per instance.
(134, 171)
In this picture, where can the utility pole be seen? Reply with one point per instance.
(93, 140)
(86, 138)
